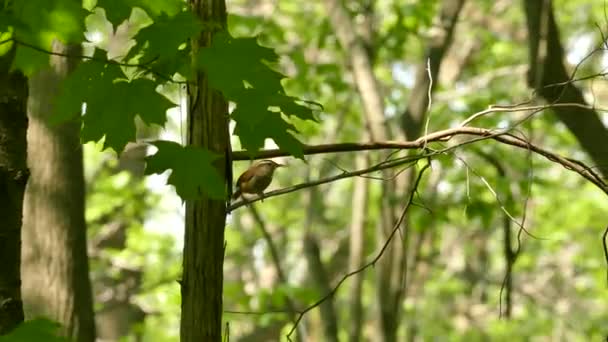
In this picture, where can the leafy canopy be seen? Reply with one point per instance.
(112, 92)
(112, 102)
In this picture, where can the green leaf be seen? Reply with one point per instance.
(239, 68)
(118, 11)
(33, 331)
(111, 113)
(112, 102)
(230, 61)
(192, 170)
(254, 128)
(161, 42)
(289, 105)
(167, 33)
(79, 84)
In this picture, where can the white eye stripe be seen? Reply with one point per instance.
(267, 162)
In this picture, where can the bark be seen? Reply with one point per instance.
(55, 266)
(205, 218)
(13, 178)
(546, 74)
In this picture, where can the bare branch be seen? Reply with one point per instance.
(444, 135)
(605, 248)
(517, 108)
(377, 167)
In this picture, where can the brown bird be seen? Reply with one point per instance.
(256, 179)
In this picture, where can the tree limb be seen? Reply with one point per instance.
(547, 69)
(420, 143)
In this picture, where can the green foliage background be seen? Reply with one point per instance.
(278, 53)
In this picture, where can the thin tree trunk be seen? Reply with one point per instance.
(55, 266)
(412, 125)
(361, 64)
(415, 114)
(13, 178)
(329, 317)
(412, 119)
(317, 271)
(276, 261)
(205, 218)
(373, 103)
(357, 249)
(509, 252)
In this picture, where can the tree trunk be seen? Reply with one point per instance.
(13, 178)
(412, 119)
(329, 317)
(373, 105)
(357, 249)
(205, 218)
(549, 77)
(55, 266)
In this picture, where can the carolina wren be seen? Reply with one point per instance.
(256, 179)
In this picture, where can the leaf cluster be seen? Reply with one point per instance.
(108, 94)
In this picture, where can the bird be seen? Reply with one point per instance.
(256, 178)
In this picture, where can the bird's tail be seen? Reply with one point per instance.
(236, 194)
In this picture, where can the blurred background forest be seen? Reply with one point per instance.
(461, 267)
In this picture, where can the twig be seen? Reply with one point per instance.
(377, 167)
(502, 206)
(274, 253)
(370, 263)
(142, 66)
(260, 313)
(605, 249)
(517, 108)
(429, 96)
